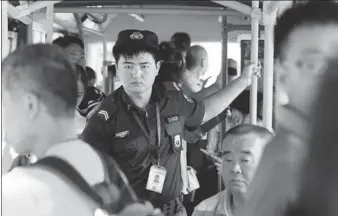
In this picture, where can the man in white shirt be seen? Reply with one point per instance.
(39, 103)
(242, 149)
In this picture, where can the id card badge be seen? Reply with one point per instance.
(156, 179)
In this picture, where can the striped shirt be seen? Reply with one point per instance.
(92, 98)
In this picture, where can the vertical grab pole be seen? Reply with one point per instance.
(107, 88)
(254, 59)
(268, 81)
(224, 74)
(79, 25)
(50, 22)
(30, 30)
(4, 29)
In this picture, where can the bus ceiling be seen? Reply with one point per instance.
(43, 14)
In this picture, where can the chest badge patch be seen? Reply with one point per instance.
(104, 114)
(122, 134)
(172, 119)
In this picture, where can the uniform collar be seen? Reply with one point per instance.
(222, 208)
(155, 97)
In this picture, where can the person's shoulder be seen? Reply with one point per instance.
(210, 203)
(108, 107)
(175, 92)
(82, 157)
(171, 86)
(96, 92)
(15, 178)
(21, 191)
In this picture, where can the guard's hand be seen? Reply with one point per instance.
(218, 164)
(140, 209)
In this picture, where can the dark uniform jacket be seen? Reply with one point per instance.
(113, 128)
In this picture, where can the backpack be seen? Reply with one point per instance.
(110, 196)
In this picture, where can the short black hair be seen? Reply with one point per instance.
(309, 14)
(90, 73)
(173, 63)
(242, 103)
(43, 70)
(129, 51)
(67, 40)
(245, 129)
(181, 40)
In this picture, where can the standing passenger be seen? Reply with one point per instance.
(74, 49)
(93, 96)
(140, 125)
(39, 113)
(181, 41)
(305, 39)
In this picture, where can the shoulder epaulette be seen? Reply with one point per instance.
(107, 108)
(171, 86)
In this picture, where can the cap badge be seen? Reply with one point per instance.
(136, 36)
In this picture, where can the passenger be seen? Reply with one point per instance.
(23, 160)
(93, 96)
(82, 83)
(39, 113)
(82, 86)
(197, 64)
(242, 149)
(181, 41)
(74, 49)
(172, 64)
(192, 84)
(91, 76)
(305, 39)
(207, 174)
(240, 110)
(319, 194)
(172, 69)
(232, 70)
(126, 124)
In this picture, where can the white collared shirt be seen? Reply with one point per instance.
(34, 191)
(213, 206)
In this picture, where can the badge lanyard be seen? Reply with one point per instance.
(158, 122)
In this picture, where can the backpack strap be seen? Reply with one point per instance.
(70, 174)
(111, 177)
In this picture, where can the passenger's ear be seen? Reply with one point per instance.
(282, 82)
(32, 104)
(203, 62)
(158, 66)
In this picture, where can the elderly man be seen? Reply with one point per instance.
(242, 149)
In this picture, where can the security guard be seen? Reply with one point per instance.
(140, 124)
